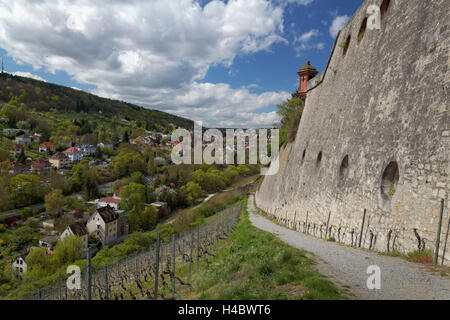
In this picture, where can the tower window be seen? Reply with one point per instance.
(303, 156)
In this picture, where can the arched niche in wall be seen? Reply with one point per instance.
(389, 180)
(319, 159)
(384, 8)
(362, 31)
(343, 169)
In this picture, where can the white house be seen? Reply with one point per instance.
(48, 224)
(47, 147)
(49, 243)
(19, 264)
(77, 229)
(23, 139)
(112, 202)
(87, 149)
(73, 154)
(105, 224)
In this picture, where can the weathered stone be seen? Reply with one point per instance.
(384, 101)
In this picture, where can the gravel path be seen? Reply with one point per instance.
(347, 267)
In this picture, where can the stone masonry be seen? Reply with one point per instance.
(374, 136)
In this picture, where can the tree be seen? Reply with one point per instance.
(291, 113)
(151, 168)
(26, 188)
(68, 250)
(212, 180)
(127, 162)
(37, 256)
(39, 264)
(22, 157)
(133, 197)
(148, 218)
(125, 137)
(54, 201)
(85, 178)
(193, 192)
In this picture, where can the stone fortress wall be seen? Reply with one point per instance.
(374, 136)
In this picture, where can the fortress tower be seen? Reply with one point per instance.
(305, 73)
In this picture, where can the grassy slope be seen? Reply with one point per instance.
(254, 264)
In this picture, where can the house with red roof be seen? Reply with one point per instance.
(73, 154)
(47, 147)
(59, 160)
(112, 202)
(40, 165)
(116, 194)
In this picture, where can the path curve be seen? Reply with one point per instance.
(347, 267)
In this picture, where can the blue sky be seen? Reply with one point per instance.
(225, 63)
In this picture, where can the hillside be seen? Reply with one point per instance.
(44, 97)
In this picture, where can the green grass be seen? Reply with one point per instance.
(254, 264)
(425, 256)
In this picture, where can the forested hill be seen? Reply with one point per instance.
(47, 97)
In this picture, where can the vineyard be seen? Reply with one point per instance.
(153, 273)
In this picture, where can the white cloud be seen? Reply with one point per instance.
(305, 42)
(214, 104)
(337, 24)
(154, 53)
(299, 2)
(28, 75)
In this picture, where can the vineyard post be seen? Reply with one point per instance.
(438, 233)
(182, 250)
(190, 255)
(88, 274)
(217, 237)
(173, 266)
(157, 265)
(106, 283)
(198, 246)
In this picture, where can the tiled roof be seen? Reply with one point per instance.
(46, 144)
(41, 164)
(109, 200)
(78, 229)
(59, 156)
(119, 190)
(108, 214)
(71, 150)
